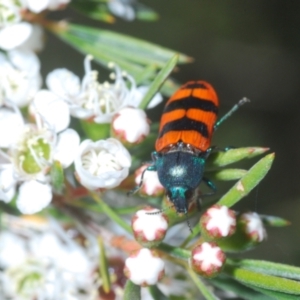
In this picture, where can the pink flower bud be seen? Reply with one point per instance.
(130, 125)
(207, 259)
(149, 229)
(218, 222)
(144, 267)
(253, 227)
(151, 184)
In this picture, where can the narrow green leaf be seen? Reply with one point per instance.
(224, 158)
(248, 181)
(93, 10)
(9, 209)
(175, 251)
(132, 291)
(158, 81)
(57, 176)
(145, 13)
(147, 73)
(103, 267)
(264, 281)
(228, 284)
(275, 295)
(204, 290)
(274, 221)
(226, 174)
(156, 293)
(268, 267)
(117, 47)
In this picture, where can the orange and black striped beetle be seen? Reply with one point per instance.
(183, 144)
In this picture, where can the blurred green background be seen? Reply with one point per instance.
(243, 48)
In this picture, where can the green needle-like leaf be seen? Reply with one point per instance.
(208, 295)
(226, 174)
(158, 82)
(224, 158)
(248, 181)
(131, 54)
(156, 293)
(132, 291)
(229, 284)
(264, 281)
(274, 294)
(103, 267)
(274, 221)
(268, 267)
(57, 176)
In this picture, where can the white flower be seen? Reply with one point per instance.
(19, 76)
(102, 164)
(41, 261)
(151, 185)
(90, 99)
(28, 161)
(131, 125)
(149, 225)
(9, 13)
(144, 267)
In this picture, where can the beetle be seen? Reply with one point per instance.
(183, 144)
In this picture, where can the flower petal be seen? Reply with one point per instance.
(33, 197)
(7, 184)
(67, 147)
(63, 83)
(13, 121)
(14, 35)
(55, 111)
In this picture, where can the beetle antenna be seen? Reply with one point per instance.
(188, 222)
(136, 188)
(232, 110)
(159, 211)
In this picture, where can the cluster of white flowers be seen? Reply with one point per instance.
(37, 261)
(15, 31)
(34, 121)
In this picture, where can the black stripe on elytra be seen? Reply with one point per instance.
(192, 102)
(184, 124)
(194, 85)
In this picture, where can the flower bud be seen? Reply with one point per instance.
(151, 184)
(218, 222)
(207, 259)
(130, 125)
(149, 226)
(253, 227)
(144, 267)
(249, 232)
